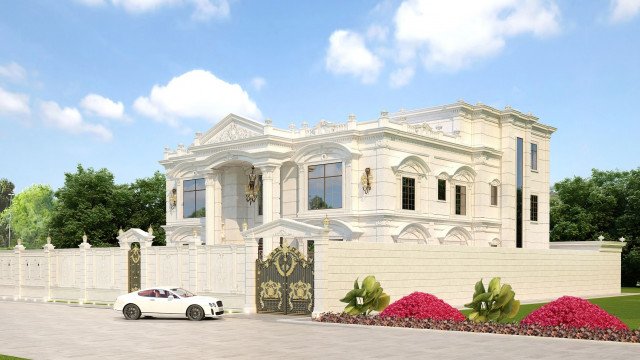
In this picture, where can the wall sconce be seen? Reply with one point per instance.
(173, 199)
(367, 180)
(252, 189)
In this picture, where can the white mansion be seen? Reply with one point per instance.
(454, 174)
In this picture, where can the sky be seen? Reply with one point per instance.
(111, 83)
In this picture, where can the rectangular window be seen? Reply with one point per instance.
(461, 200)
(494, 195)
(408, 193)
(534, 156)
(193, 198)
(442, 189)
(534, 208)
(519, 185)
(325, 186)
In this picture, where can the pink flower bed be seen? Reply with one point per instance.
(420, 305)
(575, 313)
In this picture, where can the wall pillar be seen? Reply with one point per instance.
(251, 255)
(48, 247)
(18, 250)
(84, 246)
(320, 269)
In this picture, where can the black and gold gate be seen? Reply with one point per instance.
(134, 267)
(284, 282)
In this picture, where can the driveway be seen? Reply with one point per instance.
(56, 331)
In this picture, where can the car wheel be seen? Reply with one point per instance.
(131, 312)
(195, 313)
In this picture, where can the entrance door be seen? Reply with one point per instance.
(284, 282)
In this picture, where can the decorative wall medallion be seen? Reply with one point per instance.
(300, 291)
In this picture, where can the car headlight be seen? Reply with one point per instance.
(212, 304)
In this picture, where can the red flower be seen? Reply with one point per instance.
(573, 312)
(419, 305)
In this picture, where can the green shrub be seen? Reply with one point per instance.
(494, 304)
(366, 298)
(631, 268)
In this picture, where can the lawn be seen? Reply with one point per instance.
(631, 290)
(7, 357)
(626, 308)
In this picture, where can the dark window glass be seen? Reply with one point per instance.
(310, 249)
(494, 195)
(193, 198)
(260, 195)
(442, 189)
(461, 200)
(325, 186)
(146, 293)
(534, 208)
(519, 165)
(408, 193)
(260, 248)
(534, 156)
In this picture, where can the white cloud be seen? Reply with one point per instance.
(13, 71)
(14, 103)
(377, 33)
(203, 9)
(71, 121)
(453, 34)
(197, 94)
(624, 10)
(98, 105)
(258, 83)
(348, 54)
(401, 77)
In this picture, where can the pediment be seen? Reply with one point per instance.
(125, 239)
(286, 228)
(232, 128)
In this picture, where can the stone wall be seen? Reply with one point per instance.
(101, 274)
(450, 272)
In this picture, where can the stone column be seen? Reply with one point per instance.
(320, 269)
(193, 262)
(251, 255)
(301, 203)
(267, 193)
(211, 182)
(84, 246)
(48, 247)
(18, 250)
(180, 202)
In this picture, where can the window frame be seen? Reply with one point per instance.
(460, 207)
(324, 183)
(442, 196)
(534, 159)
(411, 200)
(196, 191)
(533, 208)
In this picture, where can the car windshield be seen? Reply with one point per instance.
(182, 292)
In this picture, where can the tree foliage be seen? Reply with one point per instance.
(90, 202)
(6, 188)
(30, 213)
(607, 204)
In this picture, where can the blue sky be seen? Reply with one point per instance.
(110, 83)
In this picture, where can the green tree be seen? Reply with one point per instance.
(30, 213)
(85, 205)
(6, 188)
(147, 205)
(91, 202)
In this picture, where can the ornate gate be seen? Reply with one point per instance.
(284, 282)
(134, 267)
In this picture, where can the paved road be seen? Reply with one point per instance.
(55, 331)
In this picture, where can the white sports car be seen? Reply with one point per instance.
(167, 301)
